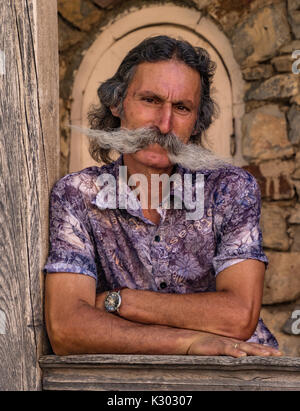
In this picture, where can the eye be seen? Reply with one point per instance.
(148, 99)
(182, 108)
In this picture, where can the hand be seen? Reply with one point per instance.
(211, 344)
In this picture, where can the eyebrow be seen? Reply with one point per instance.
(150, 93)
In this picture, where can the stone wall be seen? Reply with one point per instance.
(263, 34)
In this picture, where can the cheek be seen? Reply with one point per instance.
(184, 130)
(134, 116)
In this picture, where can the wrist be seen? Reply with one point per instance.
(113, 301)
(101, 298)
(186, 338)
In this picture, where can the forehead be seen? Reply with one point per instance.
(169, 79)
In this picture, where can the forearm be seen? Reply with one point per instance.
(101, 332)
(216, 312)
(92, 331)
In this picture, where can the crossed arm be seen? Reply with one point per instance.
(155, 323)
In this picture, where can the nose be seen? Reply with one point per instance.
(164, 121)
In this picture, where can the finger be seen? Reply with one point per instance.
(257, 349)
(243, 349)
(264, 349)
(234, 351)
(273, 351)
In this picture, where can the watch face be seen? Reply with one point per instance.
(112, 301)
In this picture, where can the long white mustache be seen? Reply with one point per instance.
(126, 141)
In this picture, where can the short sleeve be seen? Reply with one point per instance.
(237, 215)
(71, 248)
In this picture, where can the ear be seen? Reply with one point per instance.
(115, 111)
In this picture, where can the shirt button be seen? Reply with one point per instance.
(157, 238)
(163, 285)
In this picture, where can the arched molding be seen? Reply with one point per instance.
(116, 39)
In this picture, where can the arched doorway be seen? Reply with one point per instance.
(104, 56)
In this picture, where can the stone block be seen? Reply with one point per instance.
(296, 173)
(279, 86)
(67, 36)
(264, 133)
(274, 180)
(80, 13)
(295, 215)
(275, 317)
(297, 186)
(261, 180)
(294, 16)
(290, 47)
(293, 117)
(277, 174)
(259, 72)
(294, 231)
(274, 228)
(283, 64)
(295, 100)
(232, 14)
(261, 35)
(282, 279)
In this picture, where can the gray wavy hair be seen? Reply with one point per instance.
(113, 91)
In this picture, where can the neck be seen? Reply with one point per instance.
(136, 167)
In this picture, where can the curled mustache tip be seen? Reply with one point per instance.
(87, 131)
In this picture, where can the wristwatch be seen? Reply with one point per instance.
(113, 301)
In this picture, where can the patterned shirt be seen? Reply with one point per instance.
(119, 247)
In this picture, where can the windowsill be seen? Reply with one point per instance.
(109, 372)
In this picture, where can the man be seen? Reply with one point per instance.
(125, 279)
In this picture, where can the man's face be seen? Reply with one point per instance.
(164, 95)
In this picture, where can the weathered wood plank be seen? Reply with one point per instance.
(25, 177)
(175, 360)
(213, 385)
(47, 66)
(178, 373)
